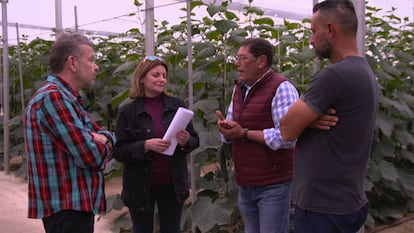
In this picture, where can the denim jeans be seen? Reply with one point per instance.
(313, 222)
(169, 211)
(265, 209)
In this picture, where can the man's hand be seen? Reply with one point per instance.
(99, 137)
(104, 140)
(222, 122)
(326, 121)
(230, 129)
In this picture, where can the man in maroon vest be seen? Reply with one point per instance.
(263, 166)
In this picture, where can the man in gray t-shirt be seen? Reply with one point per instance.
(330, 166)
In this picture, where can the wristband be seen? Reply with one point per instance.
(244, 136)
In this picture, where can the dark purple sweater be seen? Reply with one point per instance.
(160, 163)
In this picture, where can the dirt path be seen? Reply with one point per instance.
(403, 225)
(13, 208)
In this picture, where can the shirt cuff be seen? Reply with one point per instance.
(273, 139)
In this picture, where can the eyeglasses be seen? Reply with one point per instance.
(243, 57)
(153, 58)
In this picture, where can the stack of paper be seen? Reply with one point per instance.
(180, 121)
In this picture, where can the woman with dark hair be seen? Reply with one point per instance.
(149, 175)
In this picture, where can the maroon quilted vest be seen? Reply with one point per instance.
(256, 164)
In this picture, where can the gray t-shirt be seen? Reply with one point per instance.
(330, 166)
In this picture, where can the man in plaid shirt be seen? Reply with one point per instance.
(66, 149)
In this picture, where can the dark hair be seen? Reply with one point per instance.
(137, 88)
(258, 47)
(342, 11)
(66, 44)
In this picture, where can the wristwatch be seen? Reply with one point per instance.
(244, 136)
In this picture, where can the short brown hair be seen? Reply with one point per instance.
(137, 88)
(66, 44)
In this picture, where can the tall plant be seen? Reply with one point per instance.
(390, 181)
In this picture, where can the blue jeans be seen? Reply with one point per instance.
(265, 209)
(313, 222)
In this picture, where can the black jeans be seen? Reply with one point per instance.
(169, 211)
(69, 221)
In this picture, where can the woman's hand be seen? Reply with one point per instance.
(156, 144)
(183, 137)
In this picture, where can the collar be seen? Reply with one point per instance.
(258, 80)
(140, 103)
(53, 78)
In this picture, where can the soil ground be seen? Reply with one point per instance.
(13, 210)
(13, 207)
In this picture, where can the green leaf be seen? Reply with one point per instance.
(385, 123)
(224, 26)
(370, 221)
(401, 107)
(206, 52)
(214, 35)
(303, 56)
(404, 109)
(404, 137)
(264, 20)
(213, 9)
(253, 10)
(405, 97)
(181, 49)
(408, 155)
(137, 3)
(199, 76)
(194, 4)
(388, 170)
(208, 214)
(209, 139)
(409, 71)
(230, 15)
(409, 56)
(166, 38)
(383, 148)
(206, 105)
(368, 185)
(407, 180)
(391, 70)
(239, 32)
(374, 174)
(127, 66)
(382, 75)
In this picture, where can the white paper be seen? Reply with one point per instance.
(180, 121)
